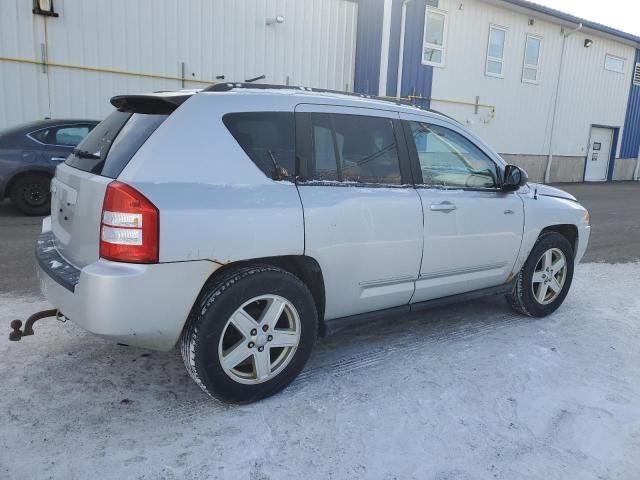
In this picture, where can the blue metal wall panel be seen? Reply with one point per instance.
(631, 135)
(368, 46)
(417, 79)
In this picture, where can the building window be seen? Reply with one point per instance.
(435, 33)
(495, 51)
(532, 48)
(613, 63)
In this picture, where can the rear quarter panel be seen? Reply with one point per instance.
(18, 154)
(214, 202)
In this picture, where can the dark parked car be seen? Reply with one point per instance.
(29, 154)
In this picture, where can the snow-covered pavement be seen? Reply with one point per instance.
(465, 392)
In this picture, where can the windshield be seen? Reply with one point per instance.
(114, 141)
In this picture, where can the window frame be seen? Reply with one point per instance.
(425, 44)
(30, 135)
(615, 57)
(304, 148)
(526, 65)
(415, 158)
(493, 26)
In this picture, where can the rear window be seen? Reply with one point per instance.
(268, 138)
(113, 142)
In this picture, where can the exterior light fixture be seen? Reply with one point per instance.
(273, 21)
(587, 42)
(44, 7)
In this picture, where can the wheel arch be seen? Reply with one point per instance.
(567, 230)
(306, 268)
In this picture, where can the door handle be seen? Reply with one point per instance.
(58, 159)
(442, 207)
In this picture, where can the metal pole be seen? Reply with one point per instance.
(182, 73)
(43, 54)
(547, 172)
(636, 174)
(403, 21)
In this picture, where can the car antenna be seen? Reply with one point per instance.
(255, 79)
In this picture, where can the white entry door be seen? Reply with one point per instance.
(599, 153)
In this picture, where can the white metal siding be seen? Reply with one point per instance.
(315, 46)
(588, 95)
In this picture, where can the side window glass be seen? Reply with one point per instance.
(268, 138)
(324, 152)
(70, 136)
(40, 135)
(355, 148)
(448, 159)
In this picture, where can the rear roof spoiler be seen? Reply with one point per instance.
(159, 103)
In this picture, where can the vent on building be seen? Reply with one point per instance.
(433, 3)
(636, 75)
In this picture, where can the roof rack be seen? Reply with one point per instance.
(226, 86)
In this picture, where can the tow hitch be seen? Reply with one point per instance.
(16, 334)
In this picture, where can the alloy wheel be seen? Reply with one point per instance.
(259, 339)
(549, 276)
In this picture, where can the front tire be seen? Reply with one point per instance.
(544, 281)
(250, 333)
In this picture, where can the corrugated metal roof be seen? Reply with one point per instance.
(573, 19)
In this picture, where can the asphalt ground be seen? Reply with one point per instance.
(615, 234)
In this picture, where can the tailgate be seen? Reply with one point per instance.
(79, 186)
(76, 208)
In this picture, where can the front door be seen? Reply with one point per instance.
(599, 154)
(362, 219)
(472, 229)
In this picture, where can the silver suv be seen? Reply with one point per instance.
(246, 220)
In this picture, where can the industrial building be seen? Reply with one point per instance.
(555, 94)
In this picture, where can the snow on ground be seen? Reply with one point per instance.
(466, 392)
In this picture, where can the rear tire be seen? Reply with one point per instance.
(231, 343)
(544, 281)
(31, 195)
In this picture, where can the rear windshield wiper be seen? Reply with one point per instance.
(85, 154)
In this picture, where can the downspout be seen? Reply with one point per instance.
(636, 173)
(547, 172)
(384, 50)
(401, 52)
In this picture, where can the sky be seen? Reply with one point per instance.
(621, 14)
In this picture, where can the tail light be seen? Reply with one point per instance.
(129, 231)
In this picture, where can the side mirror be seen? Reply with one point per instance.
(514, 178)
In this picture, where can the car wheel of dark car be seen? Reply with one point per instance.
(30, 194)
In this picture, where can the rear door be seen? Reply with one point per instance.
(78, 188)
(472, 229)
(363, 219)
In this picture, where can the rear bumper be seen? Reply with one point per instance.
(134, 304)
